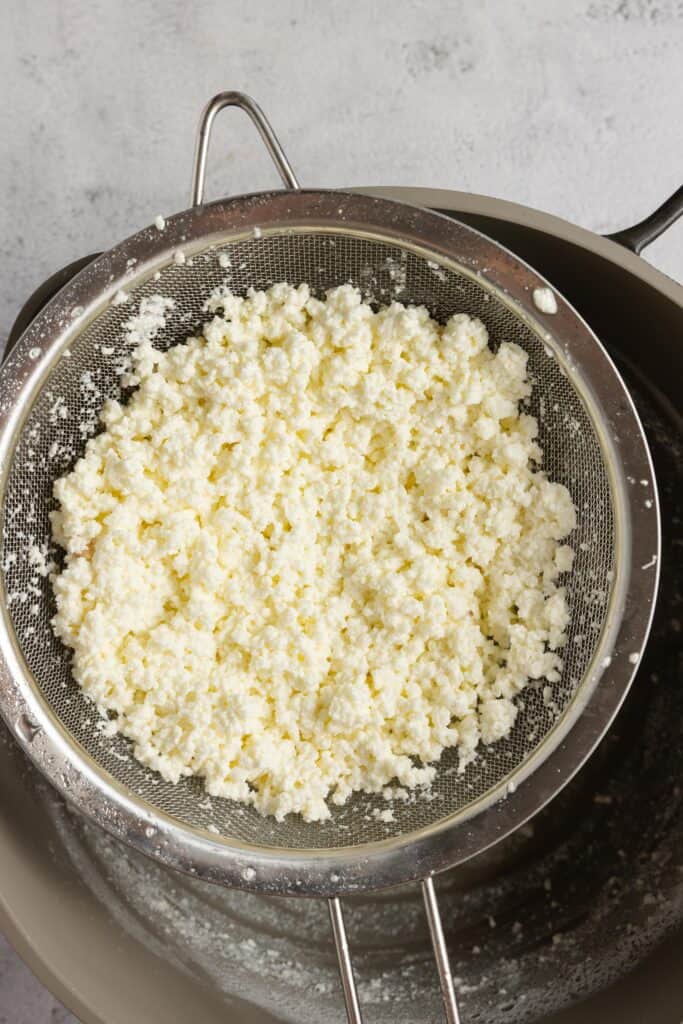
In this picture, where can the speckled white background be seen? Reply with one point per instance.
(570, 106)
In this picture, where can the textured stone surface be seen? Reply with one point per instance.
(571, 106)
(23, 1000)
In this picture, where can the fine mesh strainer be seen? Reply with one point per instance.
(66, 364)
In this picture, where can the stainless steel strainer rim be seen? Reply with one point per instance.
(389, 862)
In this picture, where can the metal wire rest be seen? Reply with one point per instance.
(344, 957)
(440, 951)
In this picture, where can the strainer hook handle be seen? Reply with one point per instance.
(246, 103)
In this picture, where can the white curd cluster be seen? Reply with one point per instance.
(314, 550)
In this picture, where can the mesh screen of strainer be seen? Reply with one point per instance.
(65, 414)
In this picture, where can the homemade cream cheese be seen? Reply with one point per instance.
(314, 550)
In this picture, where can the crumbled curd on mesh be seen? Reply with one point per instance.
(314, 550)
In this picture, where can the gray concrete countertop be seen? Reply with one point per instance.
(570, 106)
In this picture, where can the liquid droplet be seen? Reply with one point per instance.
(27, 729)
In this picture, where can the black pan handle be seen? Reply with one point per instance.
(41, 296)
(641, 234)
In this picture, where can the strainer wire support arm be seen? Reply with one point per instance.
(270, 140)
(440, 951)
(348, 983)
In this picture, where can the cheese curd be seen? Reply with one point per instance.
(314, 550)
